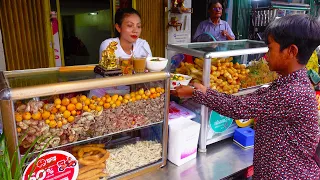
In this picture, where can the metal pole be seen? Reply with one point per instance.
(204, 110)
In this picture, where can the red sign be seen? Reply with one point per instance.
(53, 165)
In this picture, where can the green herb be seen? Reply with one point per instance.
(6, 164)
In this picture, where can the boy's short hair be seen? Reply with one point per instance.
(300, 30)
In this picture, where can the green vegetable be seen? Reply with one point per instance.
(6, 164)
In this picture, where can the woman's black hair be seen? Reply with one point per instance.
(121, 14)
(300, 30)
(213, 2)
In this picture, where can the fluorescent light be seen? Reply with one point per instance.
(93, 13)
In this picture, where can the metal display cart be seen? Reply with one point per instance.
(244, 49)
(39, 84)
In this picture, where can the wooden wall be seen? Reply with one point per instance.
(26, 31)
(153, 24)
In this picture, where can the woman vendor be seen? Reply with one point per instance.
(128, 30)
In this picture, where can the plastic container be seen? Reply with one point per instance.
(176, 111)
(183, 140)
(244, 137)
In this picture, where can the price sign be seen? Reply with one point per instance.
(53, 165)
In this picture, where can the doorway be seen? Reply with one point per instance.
(84, 26)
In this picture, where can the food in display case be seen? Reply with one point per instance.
(132, 156)
(225, 75)
(77, 118)
(259, 74)
(98, 162)
(92, 159)
(179, 79)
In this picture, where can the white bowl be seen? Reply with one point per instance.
(176, 83)
(155, 66)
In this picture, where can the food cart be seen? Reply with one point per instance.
(243, 51)
(74, 108)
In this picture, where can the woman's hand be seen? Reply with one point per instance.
(200, 87)
(183, 91)
(187, 91)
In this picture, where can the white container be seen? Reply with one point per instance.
(158, 65)
(183, 140)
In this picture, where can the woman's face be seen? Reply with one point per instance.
(130, 29)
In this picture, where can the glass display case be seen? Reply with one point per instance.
(227, 66)
(72, 108)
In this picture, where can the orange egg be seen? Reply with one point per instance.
(138, 97)
(100, 103)
(115, 97)
(57, 101)
(92, 106)
(94, 97)
(158, 89)
(87, 102)
(45, 114)
(85, 108)
(54, 110)
(36, 116)
(118, 103)
(66, 114)
(47, 121)
(74, 100)
(71, 107)
(99, 108)
(59, 124)
(106, 105)
(52, 117)
(26, 116)
(74, 112)
(70, 119)
(79, 106)
(18, 117)
(65, 101)
(127, 96)
(152, 90)
(62, 109)
(83, 98)
(53, 124)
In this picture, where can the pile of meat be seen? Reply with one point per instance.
(128, 116)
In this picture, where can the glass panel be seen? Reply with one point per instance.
(48, 77)
(82, 117)
(128, 151)
(224, 46)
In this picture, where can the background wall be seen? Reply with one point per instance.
(2, 58)
(92, 30)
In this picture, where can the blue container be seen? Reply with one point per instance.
(244, 137)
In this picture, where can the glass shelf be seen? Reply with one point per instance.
(221, 48)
